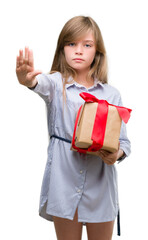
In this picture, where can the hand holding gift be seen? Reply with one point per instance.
(110, 158)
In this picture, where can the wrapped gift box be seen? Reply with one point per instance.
(86, 123)
(98, 127)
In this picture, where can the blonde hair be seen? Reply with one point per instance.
(73, 30)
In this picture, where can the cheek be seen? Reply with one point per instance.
(91, 57)
(67, 54)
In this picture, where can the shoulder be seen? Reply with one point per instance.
(110, 88)
(112, 94)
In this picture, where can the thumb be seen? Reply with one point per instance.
(33, 74)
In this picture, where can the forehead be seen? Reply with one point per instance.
(87, 36)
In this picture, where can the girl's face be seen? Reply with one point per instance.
(80, 54)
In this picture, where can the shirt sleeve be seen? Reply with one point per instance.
(45, 87)
(125, 144)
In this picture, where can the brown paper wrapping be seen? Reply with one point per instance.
(85, 127)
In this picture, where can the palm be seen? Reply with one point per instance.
(25, 68)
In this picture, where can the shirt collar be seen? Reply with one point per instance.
(73, 83)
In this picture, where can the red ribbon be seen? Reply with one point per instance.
(98, 133)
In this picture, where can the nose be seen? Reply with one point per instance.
(79, 49)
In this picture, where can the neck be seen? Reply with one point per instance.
(82, 79)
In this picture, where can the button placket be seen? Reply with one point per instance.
(80, 188)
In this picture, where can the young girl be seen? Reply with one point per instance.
(77, 188)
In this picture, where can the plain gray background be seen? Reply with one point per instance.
(23, 129)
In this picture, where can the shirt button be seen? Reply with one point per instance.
(79, 190)
(81, 171)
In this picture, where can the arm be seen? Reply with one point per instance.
(25, 69)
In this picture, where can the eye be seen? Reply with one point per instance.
(71, 44)
(87, 45)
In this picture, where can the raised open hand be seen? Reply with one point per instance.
(25, 68)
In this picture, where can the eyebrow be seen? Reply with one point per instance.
(89, 41)
(86, 41)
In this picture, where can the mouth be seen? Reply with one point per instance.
(78, 59)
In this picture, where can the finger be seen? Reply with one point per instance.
(30, 59)
(26, 55)
(26, 52)
(104, 153)
(20, 57)
(106, 158)
(108, 162)
(17, 62)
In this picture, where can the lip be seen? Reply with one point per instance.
(78, 59)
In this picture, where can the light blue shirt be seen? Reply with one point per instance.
(71, 179)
